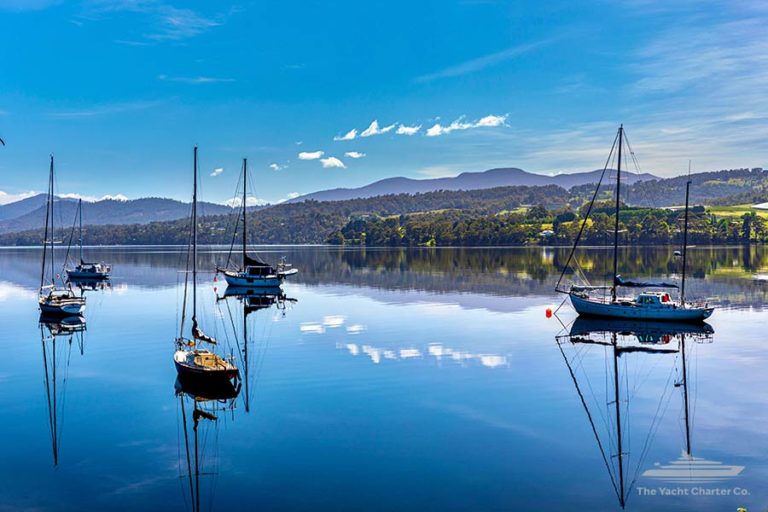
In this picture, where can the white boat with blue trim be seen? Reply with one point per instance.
(649, 304)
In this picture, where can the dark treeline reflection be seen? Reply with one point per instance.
(725, 275)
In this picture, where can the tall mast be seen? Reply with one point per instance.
(620, 454)
(80, 211)
(194, 242)
(685, 398)
(685, 241)
(245, 188)
(616, 229)
(48, 216)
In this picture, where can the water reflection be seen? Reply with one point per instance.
(57, 335)
(206, 402)
(626, 370)
(723, 275)
(236, 326)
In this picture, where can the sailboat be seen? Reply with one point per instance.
(191, 362)
(254, 271)
(647, 305)
(207, 403)
(621, 339)
(50, 330)
(53, 301)
(85, 270)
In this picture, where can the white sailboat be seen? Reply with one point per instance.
(191, 362)
(254, 272)
(85, 271)
(649, 304)
(52, 300)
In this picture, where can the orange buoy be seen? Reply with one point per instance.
(549, 312)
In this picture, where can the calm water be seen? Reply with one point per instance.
(423, 380)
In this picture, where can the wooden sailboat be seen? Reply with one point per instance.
(254, 271)
(86, 270)
(53, 301)
(191, 362)
(647, 305)
(621, 339)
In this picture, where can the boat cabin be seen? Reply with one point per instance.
(657, 299)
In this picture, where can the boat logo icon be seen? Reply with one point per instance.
(688, 469)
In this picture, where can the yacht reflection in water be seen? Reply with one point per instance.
(90, 284)
(201, 404)
(250, 353)
(57, 336)
(631, 351)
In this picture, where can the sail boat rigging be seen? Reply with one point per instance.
(86, 270)
(190, 362)
(254, 271)
(51, 300)
(647, 305)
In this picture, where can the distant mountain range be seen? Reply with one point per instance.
(29, 213)
(503, 177)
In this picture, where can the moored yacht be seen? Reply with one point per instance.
(254, 272)
(190, 361)
(87, 270)
(52, 300)
(647, 305)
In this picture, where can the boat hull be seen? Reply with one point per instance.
(86, 276)
(243, 281)
(73, 308)
(594, 308)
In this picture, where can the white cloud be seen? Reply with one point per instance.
(195, 80)
(374, 129)
(354, 154)
(485, 61)
(331, 162)
(407, 130)
(217, 171)
(277, 167)
(350, 135)
(460, 124)
(93, 199)
(310, 155)
(6, 198)
(167, 23)
(249, 201)
(291, 195)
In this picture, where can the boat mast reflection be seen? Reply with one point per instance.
(626, 338)
(208, 400)
(251, 300)
(56, 336)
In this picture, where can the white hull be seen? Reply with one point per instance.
(630, 310)
(253, 281)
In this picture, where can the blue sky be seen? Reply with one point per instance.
(120, 90)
